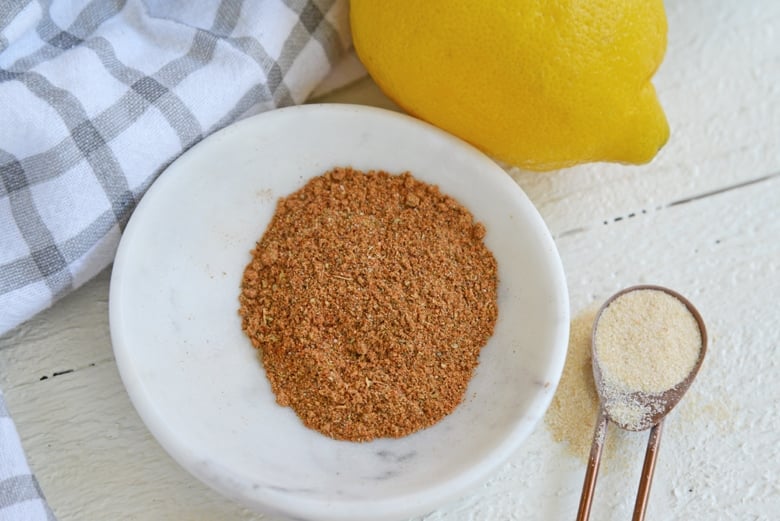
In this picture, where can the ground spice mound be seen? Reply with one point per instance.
(369, 296)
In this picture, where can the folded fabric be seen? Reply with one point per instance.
(96, 99)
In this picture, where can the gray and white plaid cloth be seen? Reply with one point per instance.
(21, 498)
(97, 97)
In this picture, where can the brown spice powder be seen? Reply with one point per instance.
(370, 297)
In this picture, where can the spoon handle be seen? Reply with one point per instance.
(647, 472)
(591, 473)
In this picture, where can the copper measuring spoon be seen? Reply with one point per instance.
(653, 418)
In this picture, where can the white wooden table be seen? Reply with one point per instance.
(703, 218)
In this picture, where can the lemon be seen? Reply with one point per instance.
(537, 84)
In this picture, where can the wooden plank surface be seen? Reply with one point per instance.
(703, 218)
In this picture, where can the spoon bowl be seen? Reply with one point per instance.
(653, 406)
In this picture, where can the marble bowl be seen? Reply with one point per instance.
(196, 381)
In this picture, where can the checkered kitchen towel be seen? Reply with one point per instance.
(21, 498)
(96, 98)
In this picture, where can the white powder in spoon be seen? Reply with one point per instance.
(647, 341)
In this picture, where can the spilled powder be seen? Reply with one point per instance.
(571, 417)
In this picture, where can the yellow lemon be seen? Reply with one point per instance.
(541, 84)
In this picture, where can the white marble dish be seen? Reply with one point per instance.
(198, 384)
